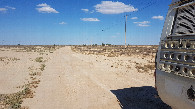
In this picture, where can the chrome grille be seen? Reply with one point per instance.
(185, 20)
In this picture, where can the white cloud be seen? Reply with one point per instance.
(10, 7)
(158, 17)
(43, 5)
(109, 7)
(134, 18)
(62, 23)
(44, 8)
(85, 10)
(142, 24)
(90, 19)
(3, 9)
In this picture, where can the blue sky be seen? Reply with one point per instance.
(48, 22)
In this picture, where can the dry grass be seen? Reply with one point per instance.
(145, 68)
(8, 59)
(14, 101)
(43, 49)
(117, 50)
(42, 67)
(39, 59)
(35, 74)
(145, 52)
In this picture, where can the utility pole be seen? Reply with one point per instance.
(125, 30)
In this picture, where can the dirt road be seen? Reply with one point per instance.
(76, 81)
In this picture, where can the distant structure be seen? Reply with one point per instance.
(125, 30)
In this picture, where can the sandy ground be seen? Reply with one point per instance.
(73, 80)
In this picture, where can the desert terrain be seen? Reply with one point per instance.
(78, 77)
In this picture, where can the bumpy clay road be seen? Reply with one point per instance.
(76, 81)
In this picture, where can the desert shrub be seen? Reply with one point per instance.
(14, 101)
(42, 67)
(144, 68)
(39, 59)
(150, 67)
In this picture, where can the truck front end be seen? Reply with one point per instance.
(175, 61)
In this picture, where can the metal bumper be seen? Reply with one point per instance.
(174, 90)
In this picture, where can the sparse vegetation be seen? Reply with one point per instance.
(150, 66)
(39, 59)
(118, 70)
(108, 50)
(35, 74)
(31, 48)
(14, 101)
(8, 59)
(42, 67)
(117, 50)
(144, 68)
